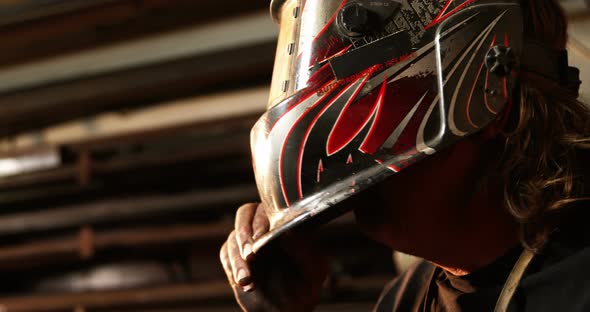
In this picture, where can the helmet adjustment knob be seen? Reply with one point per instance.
(353, 20)
(500, 60)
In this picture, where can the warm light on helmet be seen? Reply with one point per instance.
(363, 89)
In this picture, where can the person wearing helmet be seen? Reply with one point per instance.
(450, 127)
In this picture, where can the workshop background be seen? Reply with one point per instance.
(124, 154)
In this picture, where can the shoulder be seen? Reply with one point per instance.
(407, 291)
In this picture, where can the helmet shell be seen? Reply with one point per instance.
(360, 110)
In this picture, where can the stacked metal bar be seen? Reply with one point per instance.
(124, 153)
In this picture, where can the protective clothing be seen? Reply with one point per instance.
(362, 89)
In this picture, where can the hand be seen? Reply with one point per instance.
(287, 275)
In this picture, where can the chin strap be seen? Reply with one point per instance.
(552, 64)
(513, 280)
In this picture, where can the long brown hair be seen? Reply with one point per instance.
(544, 141)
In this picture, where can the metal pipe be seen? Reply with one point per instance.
(123, 209)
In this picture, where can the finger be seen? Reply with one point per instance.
(260, 224)
(224, 257)
(243, 228)
(225, 262)
(240, 270)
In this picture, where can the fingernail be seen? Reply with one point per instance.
(247, 251)
(249, 288)
(243, 278)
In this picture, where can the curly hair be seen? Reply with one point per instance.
(545, 138)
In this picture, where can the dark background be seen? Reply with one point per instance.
(124, 153)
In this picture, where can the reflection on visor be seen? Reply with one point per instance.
(315, 31)
(301, 44)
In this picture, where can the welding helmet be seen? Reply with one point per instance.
(362, 89)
